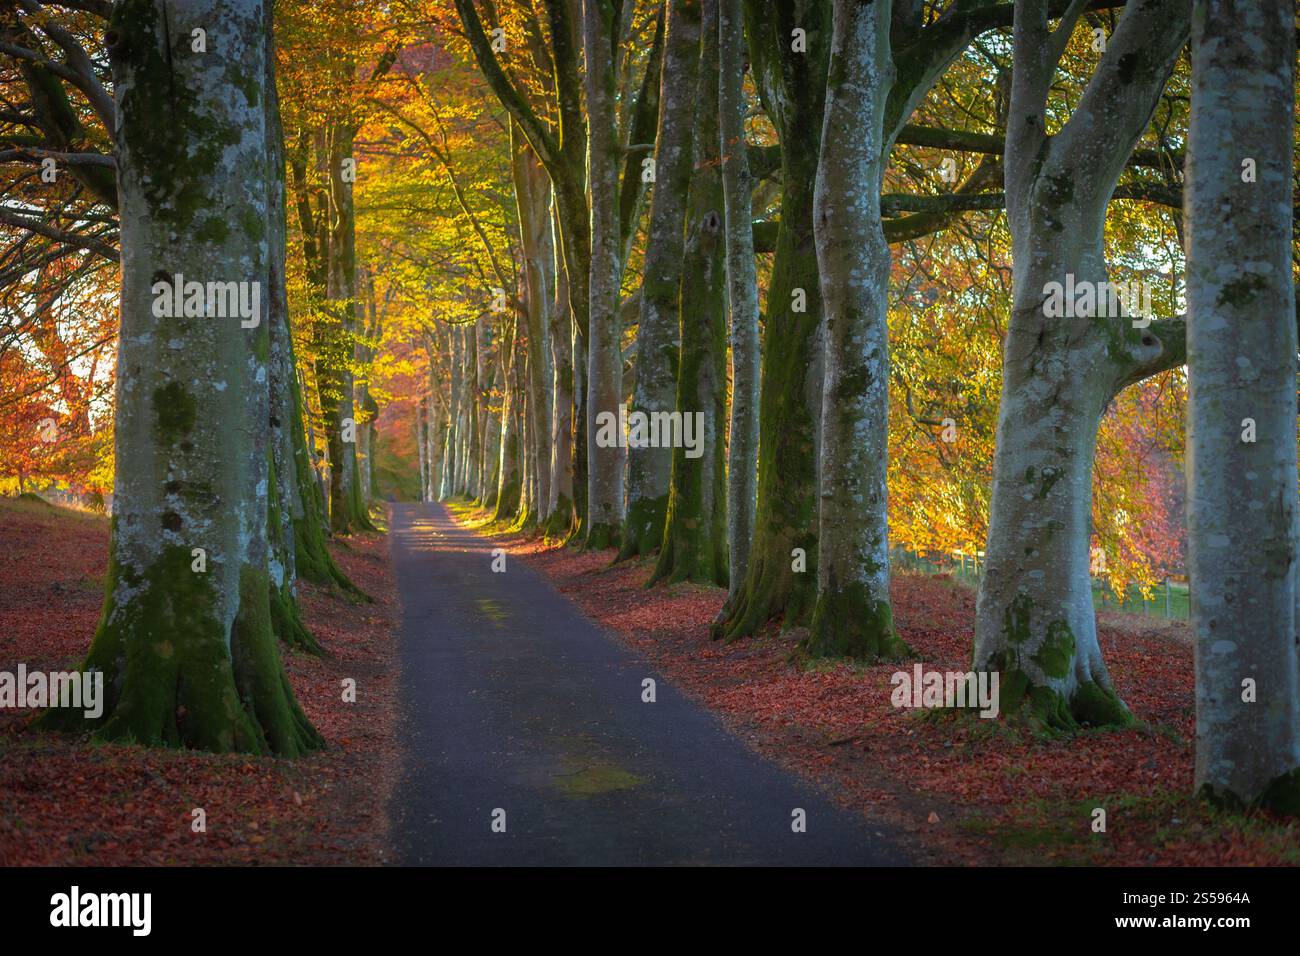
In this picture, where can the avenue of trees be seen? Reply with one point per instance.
(805, 233)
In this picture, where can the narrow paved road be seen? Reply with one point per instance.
(511, 700)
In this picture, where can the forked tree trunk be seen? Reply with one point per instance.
(1242, 514)
(185, 640)
(649, 469)
(1035, 621)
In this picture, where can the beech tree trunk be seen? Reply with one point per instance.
(337, 386)
(1242, 515)
(527, 516)
(562, 517)
(422, 446)
(853, 617)
(742, 295)
(604, 352)
(492, 438)
(508, 468)
(470, 411)
(1035, 619)
(185, 640)
(532, 200)
(695, 530)
(792, 86)
(450, 474)
(649, 470)
(284, 418)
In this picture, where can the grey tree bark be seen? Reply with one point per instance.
(287, 509)
(1035, 620)
(852, 616)
(470, 411)
(451, 472)
(649, 469)
(338, 398)
(422, 446)
(533, 201)
(742, 295)
(1242, 515)
(185, 640)
(604, 353)
(694, 537)
(560, 508)
(508, 465)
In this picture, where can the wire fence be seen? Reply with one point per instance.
(1168, 598)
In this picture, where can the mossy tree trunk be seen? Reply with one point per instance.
(1242, 510)
(649, 469)
(1035, 621)
(338, 344)
(852, 616)
(284, 494)
(695, 530)
(369, 409)
(742, 294)
(792, 86)
(604, 352)
(187, 646)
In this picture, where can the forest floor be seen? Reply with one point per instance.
(967, 790)
(65, 800)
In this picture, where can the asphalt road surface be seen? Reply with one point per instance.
(526, 740)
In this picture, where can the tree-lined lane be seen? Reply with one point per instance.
(511, 700)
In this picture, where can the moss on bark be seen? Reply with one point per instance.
(643, 531)
(599, 536)
(561, 520)
(312, 559)
(849, 622)
(786, 514)
(170, 679)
